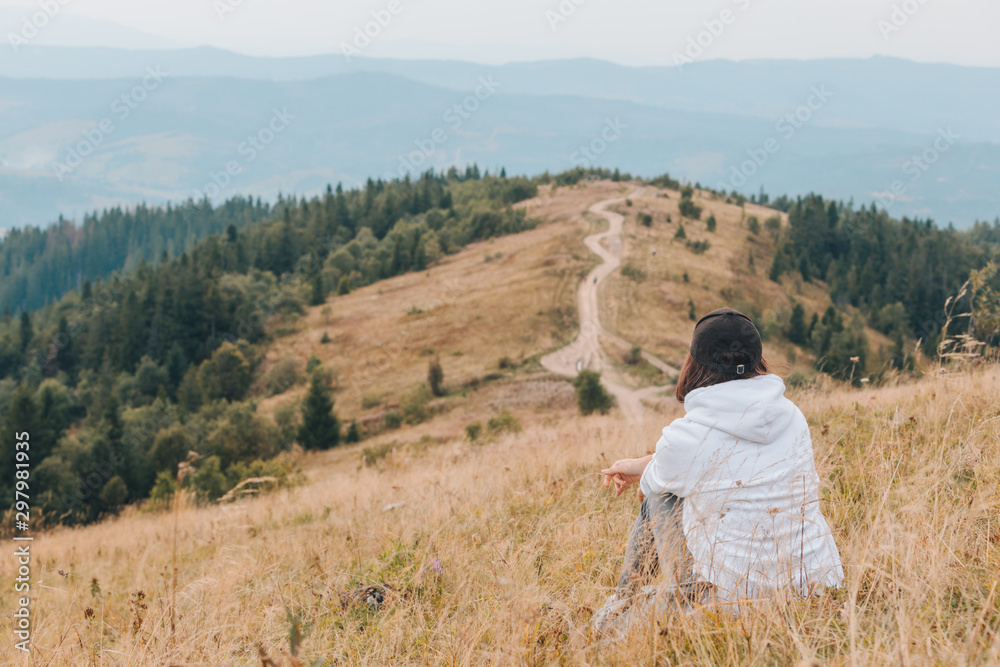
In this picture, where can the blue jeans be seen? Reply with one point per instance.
(655, 545)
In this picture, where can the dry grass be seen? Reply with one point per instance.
(501, 553)
(653, 311)
(470, 310)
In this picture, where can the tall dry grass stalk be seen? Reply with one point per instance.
(502, 552)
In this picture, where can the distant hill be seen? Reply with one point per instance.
(874, 92)
(355, 120)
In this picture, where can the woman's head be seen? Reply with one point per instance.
(726, 346)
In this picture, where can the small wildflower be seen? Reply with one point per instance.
(437, 566)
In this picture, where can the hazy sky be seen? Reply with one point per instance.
(627, 31)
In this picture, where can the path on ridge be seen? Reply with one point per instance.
(585, 352)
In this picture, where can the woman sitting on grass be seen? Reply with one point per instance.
(730, 505)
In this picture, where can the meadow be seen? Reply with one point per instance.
(424, 545)
(498, 553)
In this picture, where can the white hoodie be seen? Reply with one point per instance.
(742, 460)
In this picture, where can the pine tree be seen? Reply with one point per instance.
(353, 433)
(320, 427)
(27, 332)
(777, 268)
(681, 234)
(711, 222)
(114, 431)
(797, 332)
(344, 286)
(805, 269)
(318, 296)
(435, 377)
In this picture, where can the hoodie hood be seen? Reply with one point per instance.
(754, 410)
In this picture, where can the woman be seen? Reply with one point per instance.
(730, 499)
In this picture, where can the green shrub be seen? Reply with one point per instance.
(283, 376)
(633, 356)
(392, 420)
(163, 490)
(632, 272)
(645, 219)
(353, 433)
(370, 400)
(687, 207)
(798, 379)
(591, 396)
(372, 455)
(226, 375)
(414, 405)
(313, 363)
(208, 482)
(698, 247)
(505, 422)
(753, 224)
(711, 223)
(344, 286)
(280, 469)
(473, 431)
(114, 494)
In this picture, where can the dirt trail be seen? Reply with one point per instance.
(585, 351)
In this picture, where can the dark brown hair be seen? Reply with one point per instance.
(695, 375)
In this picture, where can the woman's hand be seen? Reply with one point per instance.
(625, 473)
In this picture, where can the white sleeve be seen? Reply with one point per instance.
(675, 466)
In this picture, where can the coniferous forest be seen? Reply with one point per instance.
(130, 341)
(146, 363)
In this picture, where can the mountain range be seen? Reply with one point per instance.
(85, 128)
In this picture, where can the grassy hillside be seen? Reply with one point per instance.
(650, 301)
(498, 554)
(498, 550)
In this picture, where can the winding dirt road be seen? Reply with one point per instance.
(585, 352)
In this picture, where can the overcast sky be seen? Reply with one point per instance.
(625, 31)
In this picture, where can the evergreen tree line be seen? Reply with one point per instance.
(119, 380)
(897, 273)
(40, 265)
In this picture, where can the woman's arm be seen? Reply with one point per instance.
(625, 473)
